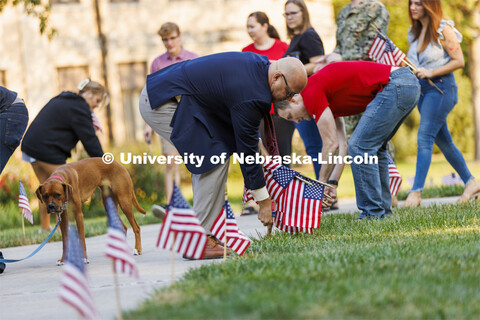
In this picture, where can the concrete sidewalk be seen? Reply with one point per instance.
(29, 289)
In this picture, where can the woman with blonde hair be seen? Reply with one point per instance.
(435, 49)
(56, 130)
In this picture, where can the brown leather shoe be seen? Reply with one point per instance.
(213, 250)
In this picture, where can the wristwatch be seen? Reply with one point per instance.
(333, 182)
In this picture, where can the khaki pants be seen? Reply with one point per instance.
(209, 187)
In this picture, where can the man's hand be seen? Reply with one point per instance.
(326, 60)
(261, 148)
(147, 133)
(265, 212)
(332, 192)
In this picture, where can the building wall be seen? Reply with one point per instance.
(36, 67)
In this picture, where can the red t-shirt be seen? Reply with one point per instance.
(274, 53)
(346, 87)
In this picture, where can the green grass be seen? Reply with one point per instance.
(436, 192)
(420, 263)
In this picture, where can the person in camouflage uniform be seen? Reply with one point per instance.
(355, 33)
(356, 30)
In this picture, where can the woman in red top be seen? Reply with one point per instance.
(266, 40)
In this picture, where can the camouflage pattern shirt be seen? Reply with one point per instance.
(355, 31)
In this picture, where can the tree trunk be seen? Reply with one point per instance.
(474, 71)
(103, 60)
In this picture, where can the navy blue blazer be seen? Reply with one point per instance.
(224, 97)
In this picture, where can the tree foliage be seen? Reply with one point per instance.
(35, 8)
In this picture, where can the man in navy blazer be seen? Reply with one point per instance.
(212, 107)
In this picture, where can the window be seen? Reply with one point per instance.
(132, 81)
(70, 77)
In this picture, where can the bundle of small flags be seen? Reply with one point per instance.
(297, 202)
(181, 230)
(24, 205)
(226, 224)
(384, 51)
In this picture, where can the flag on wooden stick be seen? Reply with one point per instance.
(236, 239)
(24, 205)
(117, 247)
(383, 50)
(395, 179)
(74, 289)
(181, 229)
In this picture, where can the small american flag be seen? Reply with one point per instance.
(96, 123)
(301, 204)
(384, 51)
(451, 179)
(280, 225)
(74, 284)
(247, 196)
(24, 204)
(395, 180)
(277, 178)
(236, 239)
(117, 246)
(181, 229)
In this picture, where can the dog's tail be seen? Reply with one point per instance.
(136, 205)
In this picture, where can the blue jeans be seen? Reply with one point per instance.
(382, 118)
(308, 130)
(434, 108)
(13, 122)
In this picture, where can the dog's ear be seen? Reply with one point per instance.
(39, 193)
(67, 190)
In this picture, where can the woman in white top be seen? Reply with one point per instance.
(435, 49)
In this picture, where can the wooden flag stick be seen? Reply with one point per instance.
(304, 179)
(225, 243)
(173, 258)
(225, 211)
(23, 226)
(117, 291)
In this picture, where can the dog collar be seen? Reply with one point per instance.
(59, 178)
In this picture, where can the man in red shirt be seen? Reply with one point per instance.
(386, 95)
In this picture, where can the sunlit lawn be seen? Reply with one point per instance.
(421, 263)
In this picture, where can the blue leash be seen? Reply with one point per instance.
(36, 250)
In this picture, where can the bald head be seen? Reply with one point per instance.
(286, 77)
(295, 73)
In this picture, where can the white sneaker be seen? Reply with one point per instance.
(158, 211)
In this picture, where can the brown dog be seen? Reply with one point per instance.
(74, 183)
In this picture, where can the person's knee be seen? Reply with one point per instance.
(425, 142)
(353, 148)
